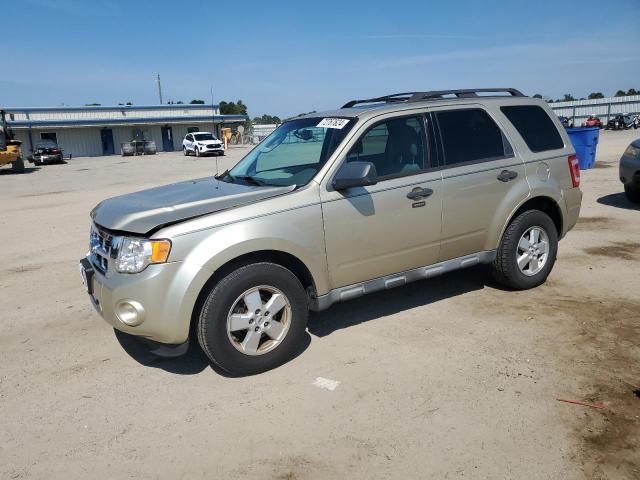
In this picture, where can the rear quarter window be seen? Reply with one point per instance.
(535, 126)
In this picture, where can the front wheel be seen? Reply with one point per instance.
(632, 192)
(197, 152)
(254, 319)
(18, 165)
(527, 251)
(184, 151)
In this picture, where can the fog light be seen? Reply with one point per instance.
(130, 312)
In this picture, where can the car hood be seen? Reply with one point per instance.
(144, 211)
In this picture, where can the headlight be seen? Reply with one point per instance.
(632, 151)
(136, 254)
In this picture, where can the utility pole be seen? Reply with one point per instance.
(159, 87)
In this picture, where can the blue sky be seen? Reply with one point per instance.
(287, 57)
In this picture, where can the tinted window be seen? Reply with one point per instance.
(396, 147)
(51, 136)
(471, 135)
(535, 126)
(189, 137)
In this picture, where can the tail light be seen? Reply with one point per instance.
(574, 168)
(55, 151)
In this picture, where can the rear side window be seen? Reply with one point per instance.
(535, 126)
(471, 135)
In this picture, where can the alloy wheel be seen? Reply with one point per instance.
(259, 320)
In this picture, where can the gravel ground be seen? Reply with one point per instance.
(445, 378)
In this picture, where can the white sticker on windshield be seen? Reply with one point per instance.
(333, 123)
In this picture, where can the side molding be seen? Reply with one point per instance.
(397, 279)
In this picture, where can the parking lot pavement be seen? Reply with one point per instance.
(445, 378)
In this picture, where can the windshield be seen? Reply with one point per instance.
(294, 152)
(204, 136)
(48, 144)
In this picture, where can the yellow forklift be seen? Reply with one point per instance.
(10, 151)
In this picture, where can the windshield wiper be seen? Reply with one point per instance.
(250, 179)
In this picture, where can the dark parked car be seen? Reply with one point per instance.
(46, 151)
(623, 122)
(567, 122)
(138, 147)
(630, 171)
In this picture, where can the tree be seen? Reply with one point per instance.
(567, 98)
(197, 102)
(537, 95)
(92, 104)
(595, 95)
(267, 120)
(231, 108)
(633, 91)
(620, 93)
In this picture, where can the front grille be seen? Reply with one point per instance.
(102, 248)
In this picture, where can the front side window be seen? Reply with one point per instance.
(535, 127)
(470, 135)
(293, 153)
(396, 147)
(189, 138)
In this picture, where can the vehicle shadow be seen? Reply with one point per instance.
(389, 302)
(25, 171)
(618, 200)
(191, 363)
(339, 316)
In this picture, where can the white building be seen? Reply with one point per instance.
(98, 130)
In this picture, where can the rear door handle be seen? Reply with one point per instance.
(507, 175)
(418, 193)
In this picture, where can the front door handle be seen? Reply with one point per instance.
(418, 193)
(507, 175)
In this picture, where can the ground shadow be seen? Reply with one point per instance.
(380, 304)
(194, 361)
(618, 200)
(9, 171)
(339, 316)
(191, 363)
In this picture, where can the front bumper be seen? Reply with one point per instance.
(46, 158)
(161, 297)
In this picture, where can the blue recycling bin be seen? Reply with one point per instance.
(585, 141)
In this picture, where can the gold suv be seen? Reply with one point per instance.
(331, 206)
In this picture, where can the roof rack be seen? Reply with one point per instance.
(410, 97)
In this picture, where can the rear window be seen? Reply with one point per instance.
(470, 135)
(535, 126)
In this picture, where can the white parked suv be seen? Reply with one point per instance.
(202, 143)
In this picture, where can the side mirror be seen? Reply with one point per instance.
(355, 174)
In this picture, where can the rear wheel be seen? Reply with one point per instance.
(18, 165)
(633, 193)
(527, 251)
(253, 319)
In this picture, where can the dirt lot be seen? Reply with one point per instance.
(447, 378)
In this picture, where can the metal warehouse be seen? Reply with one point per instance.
(100, 130)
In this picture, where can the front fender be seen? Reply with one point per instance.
(297, 232)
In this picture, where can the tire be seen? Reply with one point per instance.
(505, 267)
(633, 193)
(197, 150)
(184, 151)
(18, 165)
(225, 348)
(221, 154)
